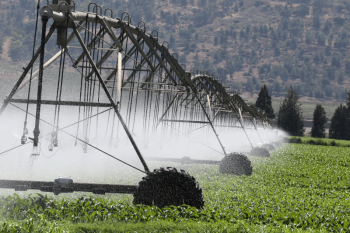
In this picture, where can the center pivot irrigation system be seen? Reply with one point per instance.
(125, 72)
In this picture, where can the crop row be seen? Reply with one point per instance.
(300, 186)
(318, 141)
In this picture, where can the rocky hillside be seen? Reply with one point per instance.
(246, 43)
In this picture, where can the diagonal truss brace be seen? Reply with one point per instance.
(92, 63)
(150, 46)
(134, 41)
(110, 32)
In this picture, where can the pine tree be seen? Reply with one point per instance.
(338, 129)
(290, 117)
(347, 122)
(316, 22)
(318, 128)
(264, 102)
(340, 124)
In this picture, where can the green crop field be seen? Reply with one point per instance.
(320, 141)
(301, 188)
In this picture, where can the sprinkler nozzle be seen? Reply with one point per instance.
(35, 151)
(23, 140)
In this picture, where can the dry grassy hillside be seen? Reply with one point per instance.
(246, 43)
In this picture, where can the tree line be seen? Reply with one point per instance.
(290, 117)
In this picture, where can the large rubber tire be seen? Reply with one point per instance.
(237, 164)
(260, 152)
(169, 186)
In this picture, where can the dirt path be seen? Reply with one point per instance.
(6, 49)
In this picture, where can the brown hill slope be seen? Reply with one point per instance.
(246, 43)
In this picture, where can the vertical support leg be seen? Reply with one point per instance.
(241, 122)
(210, 111)
(119, 79)
(211, 123)
(44, 20)
(256, 128)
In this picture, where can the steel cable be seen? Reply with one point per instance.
(25, 131)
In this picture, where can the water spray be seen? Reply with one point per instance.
(143, 71)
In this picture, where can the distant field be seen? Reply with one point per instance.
(329, 142)
(307, 106)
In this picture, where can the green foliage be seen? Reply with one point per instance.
(328, 50)
(300, 188)
(308, 38)
(320, 141)
(141, 10)
(328, 91)
(277, 52)
(340, 124)
(249, 87)
(327, 27)
(347, 68)
(303, 10)
(1, 43)
(319, 121)
(263, 102)
(336, 62)
(319, 5)
(338, 20)
(342, 40)
(321, 39)
(316, 22)
(290, 117)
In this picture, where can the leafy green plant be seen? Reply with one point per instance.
(299, 187)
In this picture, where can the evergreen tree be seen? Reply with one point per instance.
(347, 67)
(277, 52)
(308, 38)
(316, 22)
(184, 2)
(290, 117)
(264, 102)
(339, 124)
(318, 128)
(347, 123)
(328, 50)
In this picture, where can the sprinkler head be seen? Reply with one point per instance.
(54, 140)
(23, 140)
(51, 147)
(35, 151)
(46, 11)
